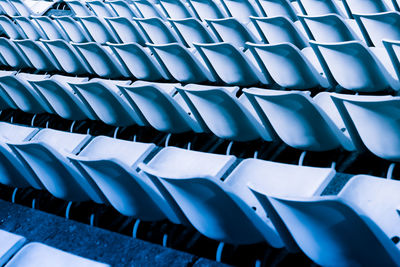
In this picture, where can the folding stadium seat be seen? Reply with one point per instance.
(191, 30)
(45, 154)
(125, 30)
(78, 7)
(21, 7)
(104, 98)
(364, 7)
(278, 30)
(321, 7)
(180, 63)
(147, 10)
(240, 10)
(11, 55)
(274, 8)
(156, 31)
(379, 26)
(37, 56)
(111, 164)
(138, 62)
(10, 244)
(9, 8)
(98, 30)
(49, 28)
(29, 28)
(123, 9)
(38, 254)
(21, 93)
(176, 9)
(328, 28)
(230, 65)
(231, 31)
(101, 9)
(10, 29)
(306, 127)
(62, 98)
(287, 66)
(331, 229)
(207, 9)
(161, 108)
(100, 61)
(13, 172)
(66, 57)
(226, 116)
(354, 67)
(72, 29)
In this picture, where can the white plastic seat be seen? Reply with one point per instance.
(105, 99)
(37, 254)
(275, 30)
(50, 29)
(21, 7)
(364, 7)
(274, 8)
(159, 107)
(298, 120)
(230, 65)
(9, 8)
(126, 30)
(223, 114)
(354, 67)
(175, 9)
(13, 172)
(179, 62)
(147, 10)
(30, 29)
(100, 61)
(78, 7)
(231, 31)
(206, 9)
(191, 30)
(138, 62)
(45, 155)
(62, 99)
(101, 9)
(10, 244)
(156, 31)
(287, 66)
(241, 10)
(111, 164)
(123, 9)
(98, 30)
(320, 7)
(72, 29)
(11, 54)
(9, 28)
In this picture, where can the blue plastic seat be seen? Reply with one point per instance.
(123, 9)
(274, 8)
(320, 7)
(10, 29)
(12, 56)
(365, 7)
(176, 9)
(207, 9)
(101, 9)
(241, 10)
(147, 10)
(98, 30)
(72, 29)
(9, 8)
(126, 30)
(191, 30)
(29, 28)
(49, 27)
(79, 8)
(10, 244)
(156, 31)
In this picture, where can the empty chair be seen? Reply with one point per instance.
(100, 61)
(298, 120)
(125, 30)
(224, 115)
(11, 243)
(181, 64)
(147, 10)
(45, 155)
(49, 28)
(72, 29)
(38, 254)
(37, 55)
(13, 172)
(21, 7)
(353, 66)
(230, 65)
(78, 7)
(156, 31)
(206, 9)
(21, 93)
(123, 9)
(111, 164)
(274, 8)
(331, 229)
(190, 30)
(175, 9)
(138, 62)
(287, 66)
(10, 29)
(279, 30)
(104, 98)
(100, 9)
(319, 7)
(364, 7)
(376, 27)
(67, 58)
(231, 31)
(9, 8)
(160, 108)
(240, 10)
(62, 98)
(30, 29)
(328, 28)
(97, 30)
(11, 55)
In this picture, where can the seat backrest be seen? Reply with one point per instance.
(175, 9)
(38, 57)
(206, 9)
(9, 8)
(21, 7)
(78, 7)
(156, 31)
(147, 10)
(10, 29)
(319, 7)
(240, 9)
(191, 30)
(72, 29)
(101, 9)
(97, 30)
(273, 8)
(364, 6)
(12, 55)
(125, 30)
(50, 29)
(31, 30)
(122, 9)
